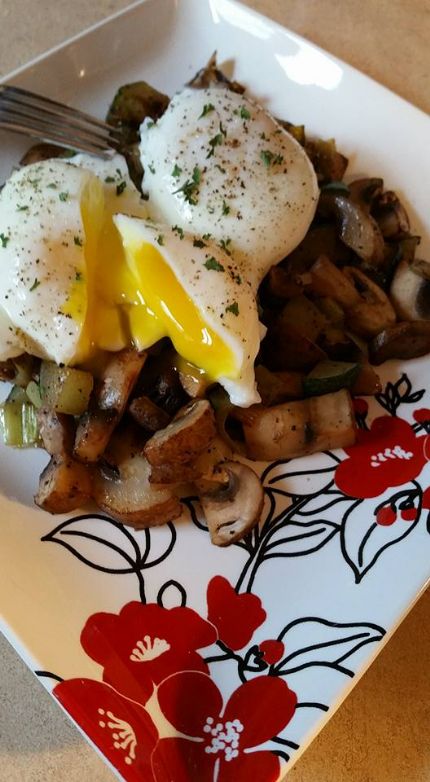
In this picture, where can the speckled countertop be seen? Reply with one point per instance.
(380, 733)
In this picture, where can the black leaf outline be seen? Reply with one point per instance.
(178, 587)
(394, 395)
(135, 564)
(48, 675)
(357, 567)
(357, 639)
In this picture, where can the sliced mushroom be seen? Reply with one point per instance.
(234, 507)
(93, 434)
(95, 427)
(328, 280)
(118, 379)
(190, 432)
(357, 229)
(128, 496)
(298, 428)
(64, 485)
(172, 473)
(391, 215)
(374, 311)
(57, 431)
(148, 415)
(211, 76)
(364, 192)
(403, 341)
(410, 290)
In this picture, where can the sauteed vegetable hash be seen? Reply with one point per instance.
(215, 292)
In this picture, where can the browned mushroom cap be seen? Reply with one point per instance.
(128, 495)
(64, 485)
(410, 290)
(404, 340)
(374, 311)
(57, 431)
(232, 508)
(358, 230)
(190, 432)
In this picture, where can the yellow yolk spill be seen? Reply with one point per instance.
(136, 299)
(164, 300)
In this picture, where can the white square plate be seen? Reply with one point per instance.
(332, 570)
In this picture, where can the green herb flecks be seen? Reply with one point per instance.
(109, 180)
(207, 108)
(270, 159)
(35, 285)
(233, 308)
(78, 241)
(4, 240)
(199, 243)
(190, 187)
(63, 196)
(178, 230)
(160, 240)
(177, 171)
(213, 265)
(225, 246)
(120, 188)
(244, 113)
(225, 208)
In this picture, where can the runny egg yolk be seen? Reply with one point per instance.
(131, 296)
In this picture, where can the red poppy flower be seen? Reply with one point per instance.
(144, 644)
(122, 730)
(256, 711)
(236, 617)
(390, 454)
(272, 651)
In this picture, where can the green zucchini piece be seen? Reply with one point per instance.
(64, 389)
(33, 393)
(328, 376)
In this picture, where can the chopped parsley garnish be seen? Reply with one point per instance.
(236, 277)
(151, 168)
(207, 108)
(150, 124)
(220, 168)
(78, 241)
(263, 136)
(21, 208)
(190, 187)
(35, 285)
(120, 188)
(34, 182)
(214, 142)
(233, 308)
(206, 237)
(109, 179)
(225, 208)
(4, 240)
(160, 239)
(224, 244)
(177, 171)
(244, 113)
(224, 132)
(198, 243)
(269, 158)
(63, 196)
(52, 186)
(78, 276)
(213, 265)
(180, 231)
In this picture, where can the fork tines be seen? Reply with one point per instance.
(34, 115)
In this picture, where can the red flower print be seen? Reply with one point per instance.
(272, 651)
(255, 712)
(426, 498)
(236, 617)
(390, 454)
(121, 729)
(422, 415)
(144, 644)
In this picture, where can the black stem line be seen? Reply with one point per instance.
(141, 582)
(324, 645)
(49, 675)
(312, 705)
(285, 742)
(364, 541)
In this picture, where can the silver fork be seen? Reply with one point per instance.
(34, 115)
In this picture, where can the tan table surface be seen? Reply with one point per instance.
(380, 734)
